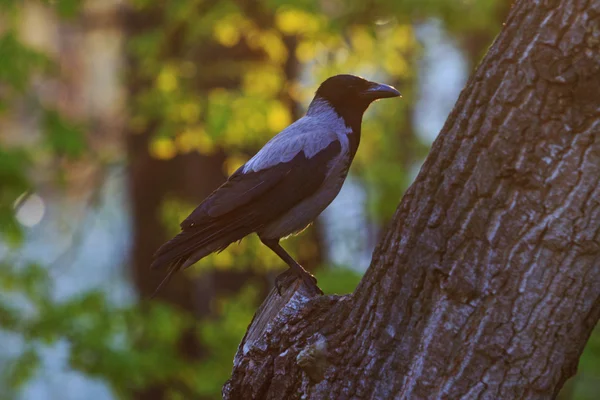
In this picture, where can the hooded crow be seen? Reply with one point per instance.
(286, 185)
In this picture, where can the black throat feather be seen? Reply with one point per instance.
(352, 113)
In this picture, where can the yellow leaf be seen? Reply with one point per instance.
(256, 122)
(186, 141)
(362, 41)
(264, 81)
(232, 163)
(279, 117)
(224, 259)
(195, 138)
(292, 21)
(273, 45)
(395, 64)
(162, 148)
(167, 79)
(404, 37)
(189, 112)
(235, 132)
(226, 32)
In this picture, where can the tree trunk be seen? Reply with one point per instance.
(152, 180)
(487, 284)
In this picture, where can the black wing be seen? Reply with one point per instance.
(246, 202)
(239, 189)
(286, 184)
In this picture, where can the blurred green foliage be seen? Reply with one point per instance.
(176, 60)
(130, 347)
(20, 65)
(14, 164)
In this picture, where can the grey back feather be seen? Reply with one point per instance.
(310, 134)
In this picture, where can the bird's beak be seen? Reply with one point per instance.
(380, 91)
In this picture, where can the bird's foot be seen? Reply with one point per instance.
(309, 280)
(282, 281)
(279, 280)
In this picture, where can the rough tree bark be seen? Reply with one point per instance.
(487, 284)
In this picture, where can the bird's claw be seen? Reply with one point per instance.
(282, 280)
(311, 282)
(278, 283)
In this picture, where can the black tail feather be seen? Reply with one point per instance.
(193, 239)
(210, 235)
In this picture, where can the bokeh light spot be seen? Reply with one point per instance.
(163, 148)
(30, 209)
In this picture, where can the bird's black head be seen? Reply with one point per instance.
(351, 95)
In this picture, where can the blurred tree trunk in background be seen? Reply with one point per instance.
(151, 181)
(190, 177)
(487, 283)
